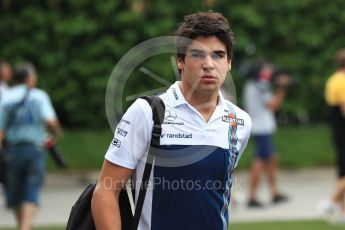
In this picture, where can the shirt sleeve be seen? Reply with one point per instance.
(131, 136)
(47, 109)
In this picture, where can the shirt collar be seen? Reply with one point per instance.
(176, 97)
(221, 101)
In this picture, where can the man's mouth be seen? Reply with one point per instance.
(207, 76)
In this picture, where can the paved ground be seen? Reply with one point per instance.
(304, 187)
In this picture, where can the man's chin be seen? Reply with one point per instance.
(208, 90)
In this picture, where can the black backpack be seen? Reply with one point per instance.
(81, 217)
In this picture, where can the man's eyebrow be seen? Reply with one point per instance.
(218, 52)
(197, 51)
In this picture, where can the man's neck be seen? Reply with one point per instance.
(203, 103)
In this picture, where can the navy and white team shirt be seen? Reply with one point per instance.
(192, 173)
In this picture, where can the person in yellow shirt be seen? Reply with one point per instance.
(335, 98)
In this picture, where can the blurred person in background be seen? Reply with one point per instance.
(261, 103)
(25, 114)
(335, 98)
(5, 77)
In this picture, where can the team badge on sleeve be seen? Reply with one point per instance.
(116, 142)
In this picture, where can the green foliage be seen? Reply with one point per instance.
(83, 149)
(76, 44)
(298, 35)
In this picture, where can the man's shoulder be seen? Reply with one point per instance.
(141, 104)
(12, 95)
(38, 95)
(140, 107)
(144, 105)
(39, 92)
(337, 78)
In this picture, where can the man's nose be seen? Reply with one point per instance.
(208, 63)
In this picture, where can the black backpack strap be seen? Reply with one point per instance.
(158, 109)
(26, 94)
(17, 106)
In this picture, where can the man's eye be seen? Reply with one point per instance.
(217, 56)
(198, 55)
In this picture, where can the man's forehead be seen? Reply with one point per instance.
(206, 45)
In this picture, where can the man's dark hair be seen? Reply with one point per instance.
(20, 75)
(204, 24)
(22, 72)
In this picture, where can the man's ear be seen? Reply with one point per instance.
(229, 64)
(180, 63)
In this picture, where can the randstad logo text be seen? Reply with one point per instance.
(177, 135)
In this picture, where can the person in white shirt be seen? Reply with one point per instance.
(261, 102)
(203, 137)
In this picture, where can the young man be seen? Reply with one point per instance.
(198, 127)
(24, 123)
(261, 103)
(335, 98)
